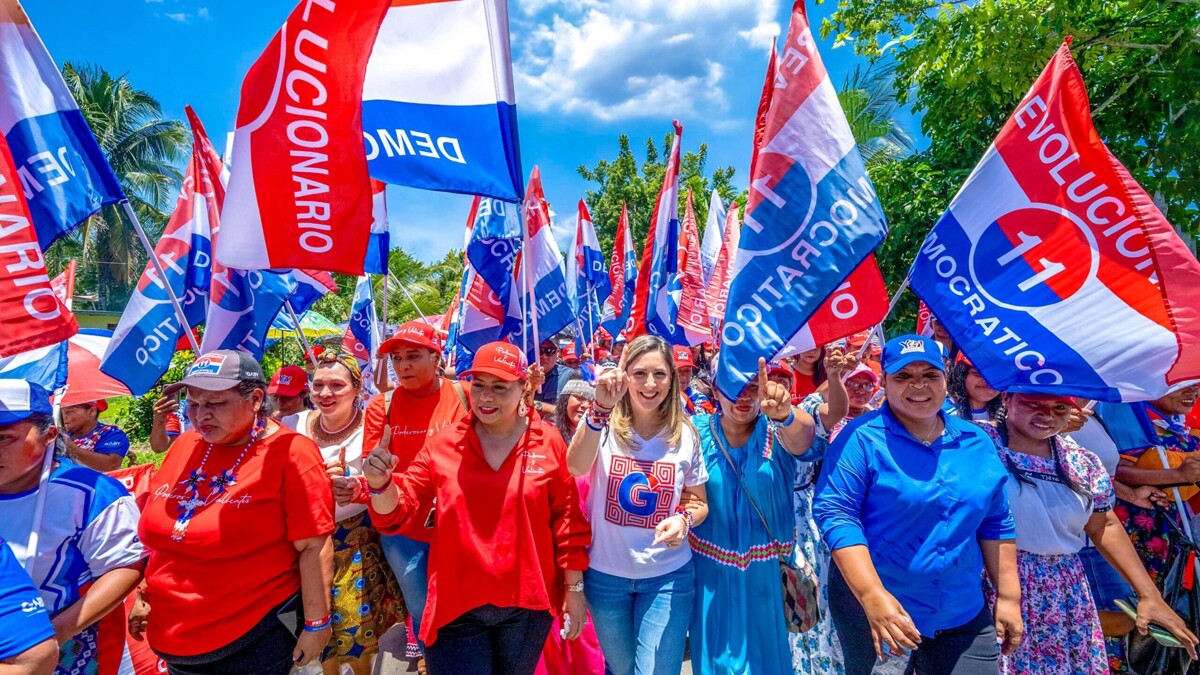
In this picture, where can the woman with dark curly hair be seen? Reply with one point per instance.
(973, 398)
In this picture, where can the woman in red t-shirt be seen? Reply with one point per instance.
(510, 544)
(237, 524)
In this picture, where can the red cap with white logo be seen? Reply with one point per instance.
(499, 359)
(412, 334)
(683, 357)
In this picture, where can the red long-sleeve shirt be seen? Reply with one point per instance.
(503, 536)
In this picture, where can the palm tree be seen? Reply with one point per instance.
(144, 151)
(868, 97)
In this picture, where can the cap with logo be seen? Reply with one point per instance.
(499, 359)
(905, 349)
(568, 353)
(288, 381)
(219, 370)
(780, 367)
(19, 399)
(413, 334)
(683, 357)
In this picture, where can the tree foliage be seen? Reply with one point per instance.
(625, 180)
(966, 65)
(431, 286)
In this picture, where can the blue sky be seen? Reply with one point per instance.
(586, 72)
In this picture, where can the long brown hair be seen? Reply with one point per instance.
(670, 412)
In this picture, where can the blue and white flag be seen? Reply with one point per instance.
(714, 234)
(540, 306)
(811, 218)
(379, 245)
(495, 241)
(439, 110)
(145, 338)
(362, 332)
(63, 171)
(45, 367)
(310, 286)
(587, 279)
(241, 308)
(622, 278)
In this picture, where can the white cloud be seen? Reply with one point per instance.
(620, 59)
(180, 17)
(203, 13)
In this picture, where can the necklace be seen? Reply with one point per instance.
(325, 437)
(217, 485)
(933, 432)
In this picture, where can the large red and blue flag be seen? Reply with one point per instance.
(362, 336)
(379, 242)
(622, 275)
(539, 307)
(656, 300)
(811, 218)
(1053, 269)
(693, 315)
(149, 329)
(64, 174)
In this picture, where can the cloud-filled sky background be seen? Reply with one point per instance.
(586, 71)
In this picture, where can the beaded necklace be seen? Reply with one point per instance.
(217, 485)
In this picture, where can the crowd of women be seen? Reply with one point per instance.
(527, 520)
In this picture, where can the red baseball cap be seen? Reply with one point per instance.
(568, 353)
(413, 334)
(601, 353)
(288, 381)
(499, 359)
(683, 357)
(780, 367)
(314, 353)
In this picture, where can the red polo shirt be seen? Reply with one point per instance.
(413, 421)
(237, 560)
(502, 536)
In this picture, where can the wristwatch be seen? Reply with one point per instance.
(576, 587)
(537, 405)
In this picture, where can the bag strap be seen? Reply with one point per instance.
(462, 395)
(712, 422)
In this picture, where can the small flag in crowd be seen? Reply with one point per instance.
(692, 317)
(1053, 270)
(64, 284)
(541, 304)
(622, 275)
(379, 242)
(362, 332)
(811, 218)
(149, 329)
(718, 286)
(299, 194)
(310, 286)
(66, 176)
(924, 320)
(439, 111)
(493, 243)
(656, 302)
(587, 280)
(714, 234)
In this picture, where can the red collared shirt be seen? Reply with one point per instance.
(503, 536)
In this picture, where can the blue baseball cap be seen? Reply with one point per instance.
(905, 349)
(19, 399)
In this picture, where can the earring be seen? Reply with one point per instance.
(522, 409)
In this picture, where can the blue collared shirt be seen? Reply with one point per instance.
(919, 509)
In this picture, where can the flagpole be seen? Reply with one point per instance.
(527, 293)
(410, 298)
(183, 322)
(879, 326)
(300, 332)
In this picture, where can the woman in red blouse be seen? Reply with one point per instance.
(510, 542)
(238, 525)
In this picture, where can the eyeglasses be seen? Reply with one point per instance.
(549, 351)
(860, 385)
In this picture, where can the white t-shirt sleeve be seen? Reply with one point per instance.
(110, 540)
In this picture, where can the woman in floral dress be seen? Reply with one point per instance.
(1059, 494)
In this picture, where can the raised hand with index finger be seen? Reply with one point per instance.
(774, 399)
(611, 385)
(378, 465)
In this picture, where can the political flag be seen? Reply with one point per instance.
(622, 275)
(656, 301)
(692, 317)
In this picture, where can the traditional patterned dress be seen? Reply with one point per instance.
(737, 624)
(1062, 628)
(1150, 529)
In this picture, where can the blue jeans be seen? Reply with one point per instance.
(409, 560)
(641, 623)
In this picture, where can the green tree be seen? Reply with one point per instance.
(624, 180)
(966, 65)
(868, 97)
(144, 151)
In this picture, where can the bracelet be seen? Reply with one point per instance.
(594, 427)
(380, 490)
(787, 422)
(689, 520)
(319, 625)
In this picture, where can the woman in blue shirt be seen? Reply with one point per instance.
(912, 503)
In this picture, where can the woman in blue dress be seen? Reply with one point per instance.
(737, 624)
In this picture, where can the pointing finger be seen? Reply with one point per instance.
(762, 377)
(385, 441)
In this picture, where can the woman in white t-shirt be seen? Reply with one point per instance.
(366, 597)
(643, 459)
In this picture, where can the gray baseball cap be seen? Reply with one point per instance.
(219, 370)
